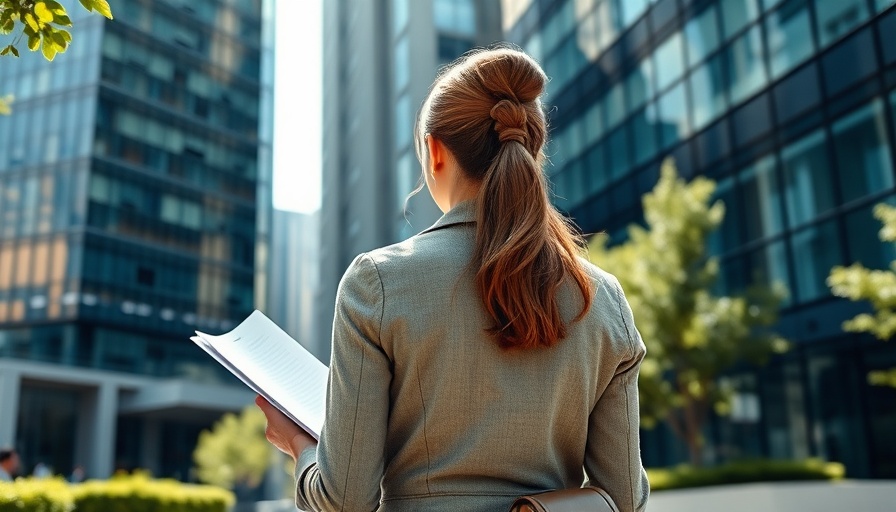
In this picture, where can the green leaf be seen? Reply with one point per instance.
(43, 12)
(59, 41)
(49, 49)
(102, 7)
(33, 42)
(5, 50)
(86, 4)
(31, 21)
(55, 7)
(63, 20)
(65, 35)
(7, 26)
(14, 50)
(4, 107)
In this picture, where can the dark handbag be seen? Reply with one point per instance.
(585, 499)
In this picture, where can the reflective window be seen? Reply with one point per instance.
(593, 123)
(727, 236)
(637, 85)
(669, 61)
(632, 10)
(702, 35)
(644, 135)
(770, 267)
(402, 63)
(808, 186)
(614, 102)
(619, 163)
(455, 16)
(403, 122)
(737, 14)
(789, 34)
(863, 153)
(883, 4)
(815, 250)
(399, 15)
(673, 116)
(863, 239)
(835, 18)
(746, 70)
(708, 92)
(763, 217)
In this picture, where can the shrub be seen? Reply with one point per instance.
(27, 494)
(758, 470)
(140, 494)
(137, 493)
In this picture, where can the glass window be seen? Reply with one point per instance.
(399, 15)
(863, 239)
(770, 267)
(619, 163)
(883, 4)
(737, 14)
(402, 63)
(808, 187)
(596, 167)
(632, 10)
(816, 250)
(455, 16)
(746, 72)
(669, 61)
(764, 216)
(644, 135)
(673, 116)
(403, 122)
(708, 92)
(727, 236)
(702, 35)
(614, 102)
(593, 123)
(637, 85)
(789, 34)
(863, 153)
(836, 17)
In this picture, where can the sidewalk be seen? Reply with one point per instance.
(849, 495)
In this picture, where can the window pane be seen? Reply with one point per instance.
(883, 4)
(863, 155)
(770, 267)
(402, 61)
(669, 61)
(746, 73)
(400, 15)
(760, 190)
(836, 17)
(708, 92)
(644, 136)
(808, 187)
(632, 10)
(727, 236)
(863, 239)
(736, 14)
(618, 154)
(593, 122)
(702, 35)
(637, 84)
(673, 116)
(614, 102)
(815, 250)
(789, 36)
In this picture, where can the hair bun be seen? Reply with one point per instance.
(510, 121)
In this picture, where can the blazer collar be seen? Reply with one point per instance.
(462, 213)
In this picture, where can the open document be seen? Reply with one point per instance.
(275, 366)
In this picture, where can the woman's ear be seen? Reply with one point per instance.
(436, 153)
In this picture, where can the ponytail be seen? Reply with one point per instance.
(486, 110)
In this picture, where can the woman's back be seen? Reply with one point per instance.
(495, 423)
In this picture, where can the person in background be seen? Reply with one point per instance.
(9, 464)
(484, 358)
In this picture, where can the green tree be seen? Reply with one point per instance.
(234, 453)
(692, 336)
(856, 283)
(40, 23)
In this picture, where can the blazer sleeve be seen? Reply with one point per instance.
(345, 469)
(612, 452)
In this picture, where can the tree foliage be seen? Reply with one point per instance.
(692, 336)
(234, 453)
(41, 23)
(878, 287)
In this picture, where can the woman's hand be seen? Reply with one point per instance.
(282, 432)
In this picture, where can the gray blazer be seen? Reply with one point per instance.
(426, 413)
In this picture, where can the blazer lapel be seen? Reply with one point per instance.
(462, 213)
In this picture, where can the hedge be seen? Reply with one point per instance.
(758, 470)
(134, 493)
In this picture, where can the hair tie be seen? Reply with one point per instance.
(510, 121)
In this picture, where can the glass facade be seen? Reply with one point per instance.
(789, 106)
(135, 176)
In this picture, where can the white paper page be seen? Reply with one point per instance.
(273, 364)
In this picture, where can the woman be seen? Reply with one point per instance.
(482, 359)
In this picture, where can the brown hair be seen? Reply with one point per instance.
(486, 109)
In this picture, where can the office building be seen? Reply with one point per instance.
(294, 277)
(380, 59)
(789, 106)
(134, 209)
